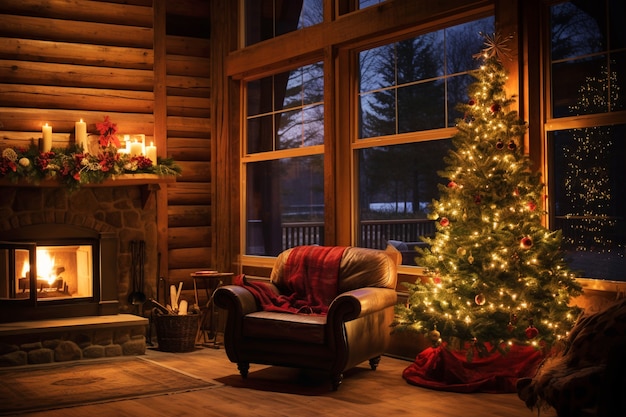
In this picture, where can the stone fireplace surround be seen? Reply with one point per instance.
(119, 212)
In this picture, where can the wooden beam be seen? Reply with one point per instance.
(371, 22)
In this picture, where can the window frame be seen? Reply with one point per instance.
(340, 59)
(552, 124)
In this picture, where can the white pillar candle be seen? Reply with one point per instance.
(141, 138)
(47, 137)
(135, 148)
(80, 131)
(151, 153)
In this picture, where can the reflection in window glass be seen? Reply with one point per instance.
(589, 198)
(285, 204)
(367, 3)
(587, 47)
(414, 84)
(285, 110)
(266, 19)
(396, 185)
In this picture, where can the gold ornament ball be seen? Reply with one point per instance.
(434, 335)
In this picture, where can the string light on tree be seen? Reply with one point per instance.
(502, 275)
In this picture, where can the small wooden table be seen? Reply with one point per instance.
(207, 328)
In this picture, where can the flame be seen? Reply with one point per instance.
(45, 267)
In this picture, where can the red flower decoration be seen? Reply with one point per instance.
(108, 132)
(444, 222)
(531, 206)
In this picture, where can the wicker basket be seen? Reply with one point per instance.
(176, 333)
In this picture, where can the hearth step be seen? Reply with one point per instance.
(75, 338)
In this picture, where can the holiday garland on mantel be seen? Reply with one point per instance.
(73, 166)
(496, 275)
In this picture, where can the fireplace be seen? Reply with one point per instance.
(57, 270)
(89, 232)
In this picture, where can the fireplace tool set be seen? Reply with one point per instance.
(138, 258)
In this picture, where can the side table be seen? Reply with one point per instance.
(210, 281)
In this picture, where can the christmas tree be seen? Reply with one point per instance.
(496, 276)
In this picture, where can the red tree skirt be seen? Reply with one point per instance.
(445, 370)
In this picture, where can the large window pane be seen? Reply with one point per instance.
(587, 52)
(286, 110)
(589, 198)
(266, 19)
(396, 185)
(414, 84)
(285, 204)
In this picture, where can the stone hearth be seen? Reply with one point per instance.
(69, 339)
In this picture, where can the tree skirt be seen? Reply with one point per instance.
(443, 369)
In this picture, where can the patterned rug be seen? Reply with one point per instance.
(29, 389)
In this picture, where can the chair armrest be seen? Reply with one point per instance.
(353, 304)
(237, 300)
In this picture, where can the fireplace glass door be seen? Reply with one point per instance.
(50, 272)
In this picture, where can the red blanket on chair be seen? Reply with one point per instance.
(311, 275)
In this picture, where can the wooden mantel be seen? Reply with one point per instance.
(149, 183)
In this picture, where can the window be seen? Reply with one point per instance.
(284, 161)
(408, 91)
(266, 19)
(587, 146)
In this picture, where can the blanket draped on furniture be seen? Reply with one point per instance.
(312, 274)
(442, 369)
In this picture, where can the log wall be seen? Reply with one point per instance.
(144, 65)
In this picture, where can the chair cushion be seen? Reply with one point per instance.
(285, 326)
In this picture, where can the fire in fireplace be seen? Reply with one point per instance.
(61, 272)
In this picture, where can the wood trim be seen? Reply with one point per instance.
(160, 127)
(389, 16)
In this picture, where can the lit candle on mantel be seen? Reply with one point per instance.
(135, 148)
(80, 131)
(46, 132)
(151, 153)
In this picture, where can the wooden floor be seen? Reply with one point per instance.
(275, 391)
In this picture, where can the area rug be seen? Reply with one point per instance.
(29, 389)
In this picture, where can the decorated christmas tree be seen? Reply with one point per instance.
(496, 275)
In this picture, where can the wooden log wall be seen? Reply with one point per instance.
(61, 61)
(144, 65)
(189, 135)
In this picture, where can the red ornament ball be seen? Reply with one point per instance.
(471, 102)
(499, 145)
(480, 299)
(452, 184)
(512, 146)
(531, 206)
(444, 222)
(526, 242)
(495, 107)
(531, 332)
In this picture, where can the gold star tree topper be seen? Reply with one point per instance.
(495, 45)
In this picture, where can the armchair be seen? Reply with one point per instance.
(355, 328)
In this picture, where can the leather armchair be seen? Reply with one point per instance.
(355, 329)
